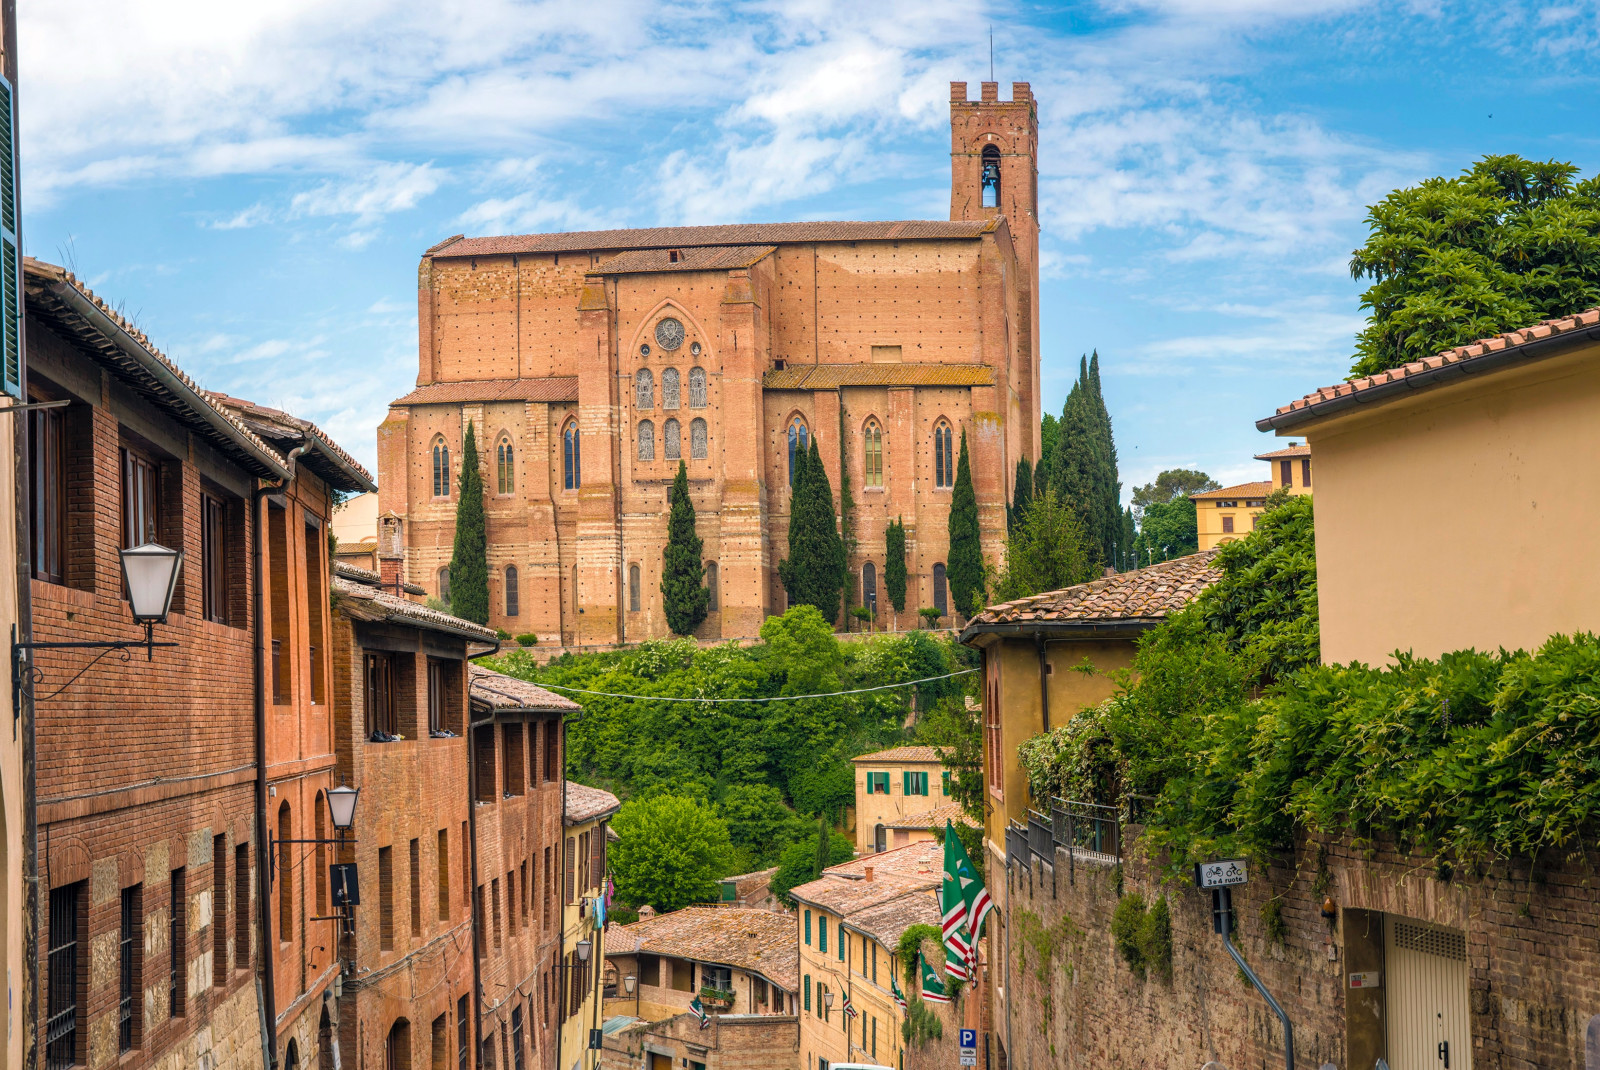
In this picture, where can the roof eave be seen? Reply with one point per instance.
(1120, 628)
(1526, 352)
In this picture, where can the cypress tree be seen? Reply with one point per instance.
(1109, 498)
(813, 573)
(1041, 477)
(964, 567)
(1021, 495)
(894, 565)
(469, 563)
(683, 589)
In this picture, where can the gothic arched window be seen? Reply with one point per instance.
(869, 587)
(633, 588)
(444, 585)
(872, 454)
(671, 440)
(941, 599)
(711, 587)
(441, 468)
(647, 440)
(505, 469)
(669, 388)
(991, 176)
(571, 469)
(799, 439)
(697, 438)
(645, 389)
(697, 388)
(944, 466)
(513, 596)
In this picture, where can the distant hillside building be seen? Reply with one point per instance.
(1227, 514)
(590, 364)
(896, 791)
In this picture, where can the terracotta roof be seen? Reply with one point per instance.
(586, 804)
(888, 920)
(760, 941)
(845, 891)
(369, 603)
(914, 860)
(1259, 489)
(833, 376)
(1143, 596)
(1482, 355)
(497, 691)
(56, 296)
(725, 234)
(326, 457)
(933, 819)
(556, 388)
(694, 258)
(366, 576)
(1294, 449)
(900, 754)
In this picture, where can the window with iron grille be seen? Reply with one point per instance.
(178, 942)
(386, 898)
(219, 910)
(241, 906)
(128, 986)
(61, 1025)
(463, 1051)
(516, 1038)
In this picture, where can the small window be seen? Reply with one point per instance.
(47, 450)
(444, 584)
(1227, 525)
(381, 699)
(512, 594)
(869, 587)
(711, 587)
(672, 440)
(697, 388)
(799, 439)
(644, 388)
(1286, 472)
(944, 466)
(941, 600)
(1305, 471)
(872, 454)
(441, 468)
(647, 440)
(504, 466)
(571, 468)
(669, 388)
(178, 940)
(633, 588)
(214, 559)
(129, 985)
(697, 439)
(991, 177)
(141, 499)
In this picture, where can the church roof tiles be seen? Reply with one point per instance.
(693, 258)
(834, 376)
(745, 234)
(556, 388)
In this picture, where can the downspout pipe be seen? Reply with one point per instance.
(269, 994)
(480, 932)
(1044, 681)
(561, 922)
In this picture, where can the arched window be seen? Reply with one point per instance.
(799, 439)
(441, 468)
(669, 388)
(571, 469)
(697, 388)
(647, 440)
(941, 598)
(711, 586)
(513, 596)
(291, 1056)
(397, 1048)
(991, 176)
(697, 438)
(633, 588)
(872, 454)
(944, 466)
(502, 458)
(644, 386)
(444, 584)
(285, 875)
(671, 440)
(869, 587)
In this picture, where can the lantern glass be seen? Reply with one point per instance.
(151, 573)
(628, 982)
(827, 1000)
(342, 806)
(584, 947)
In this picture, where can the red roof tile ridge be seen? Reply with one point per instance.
(304, 425)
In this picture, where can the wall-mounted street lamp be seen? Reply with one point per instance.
(584, 947)
(150, 575)
(344, 889)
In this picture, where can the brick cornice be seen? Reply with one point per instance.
(67, 807)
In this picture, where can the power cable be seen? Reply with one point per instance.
(771, 698)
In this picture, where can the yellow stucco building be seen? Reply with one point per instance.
(894, 789)
(1230, 513)
(582, 939)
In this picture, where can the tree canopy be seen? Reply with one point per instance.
(469, 561)
(683, 590)
(670, 852)
(1083, 463)
(1048, 551)
(1170, 485)
(1169, 526)
(1506, 243)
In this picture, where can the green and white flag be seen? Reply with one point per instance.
(899, 996)
(699, 1010)
(933, 990)
(965, 899)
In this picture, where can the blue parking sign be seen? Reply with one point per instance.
(969, 1038)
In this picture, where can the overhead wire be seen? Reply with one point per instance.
(769, 698)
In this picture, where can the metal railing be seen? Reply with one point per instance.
(1136, 808)
(1088, 827)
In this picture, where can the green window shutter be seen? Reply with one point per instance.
(841, 941)
(944, 783)
(808, 928)
(924, 785)
(822, 933)
(905, 783)
(10, 246)
(808, 991)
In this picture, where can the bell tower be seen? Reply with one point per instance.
(994, 171)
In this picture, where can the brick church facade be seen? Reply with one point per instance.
(590, 363)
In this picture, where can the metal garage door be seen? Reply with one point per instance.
(1425, 977)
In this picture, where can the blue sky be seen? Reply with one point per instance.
(254, 183)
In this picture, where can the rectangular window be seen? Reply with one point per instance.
(439, 1059)
(650, 971)
(874, 960)
(1305, 471)
(526, 897)
(1286, 472)
(822, 932)
(141, 499)
(436, 691)
(915, 783)
(477, 927)
(47, 463)
(483, 764)
(463, 1049)
(572, 871)
(808, 928)
(219, 910)
(993, 738)
(444, 874)
(552, 750)
(66, 977)
(213, 559)
(386, 898)
(178, 942)
(241, 906)
(416, 887)
(874, 1038)
(583, 862)
(807, 991)
(516, 1038)
(494, 904)
(315, 601)
(1227, 525)
(129, 987)
(381, 706)
(843, 941)
(547, 913)
(515, 769)
(511, 903)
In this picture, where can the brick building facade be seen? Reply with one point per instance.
(589, 364)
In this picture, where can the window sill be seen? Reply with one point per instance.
(874, 490)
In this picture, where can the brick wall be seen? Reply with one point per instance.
(730, 1042)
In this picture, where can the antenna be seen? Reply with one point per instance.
(991, 53)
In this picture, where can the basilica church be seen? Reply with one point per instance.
(590, 364)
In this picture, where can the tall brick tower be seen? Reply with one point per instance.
(994, 171)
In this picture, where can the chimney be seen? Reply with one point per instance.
(1108, 572)
(647, 912)
(866, 873)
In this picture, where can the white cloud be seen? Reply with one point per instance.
(382, 190)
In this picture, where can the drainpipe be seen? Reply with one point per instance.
(269, 996)
(1044, 681)
(480, 931)
(561, 922)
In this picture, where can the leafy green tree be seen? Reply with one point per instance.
(469, 563)
(964, 567)
(683, 590)
(894, 565)
(813, 573)
(670, 852)
(1170, 485)
(759, 822)
(1504, 244)
(1049, 551)
(799, 863)
(1125, 543)
(825, 787)
(1021, 494)
(1049, 437)
(801, 645)
(1170, 529)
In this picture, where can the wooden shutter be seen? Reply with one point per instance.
(10, 246)
(572, 873)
